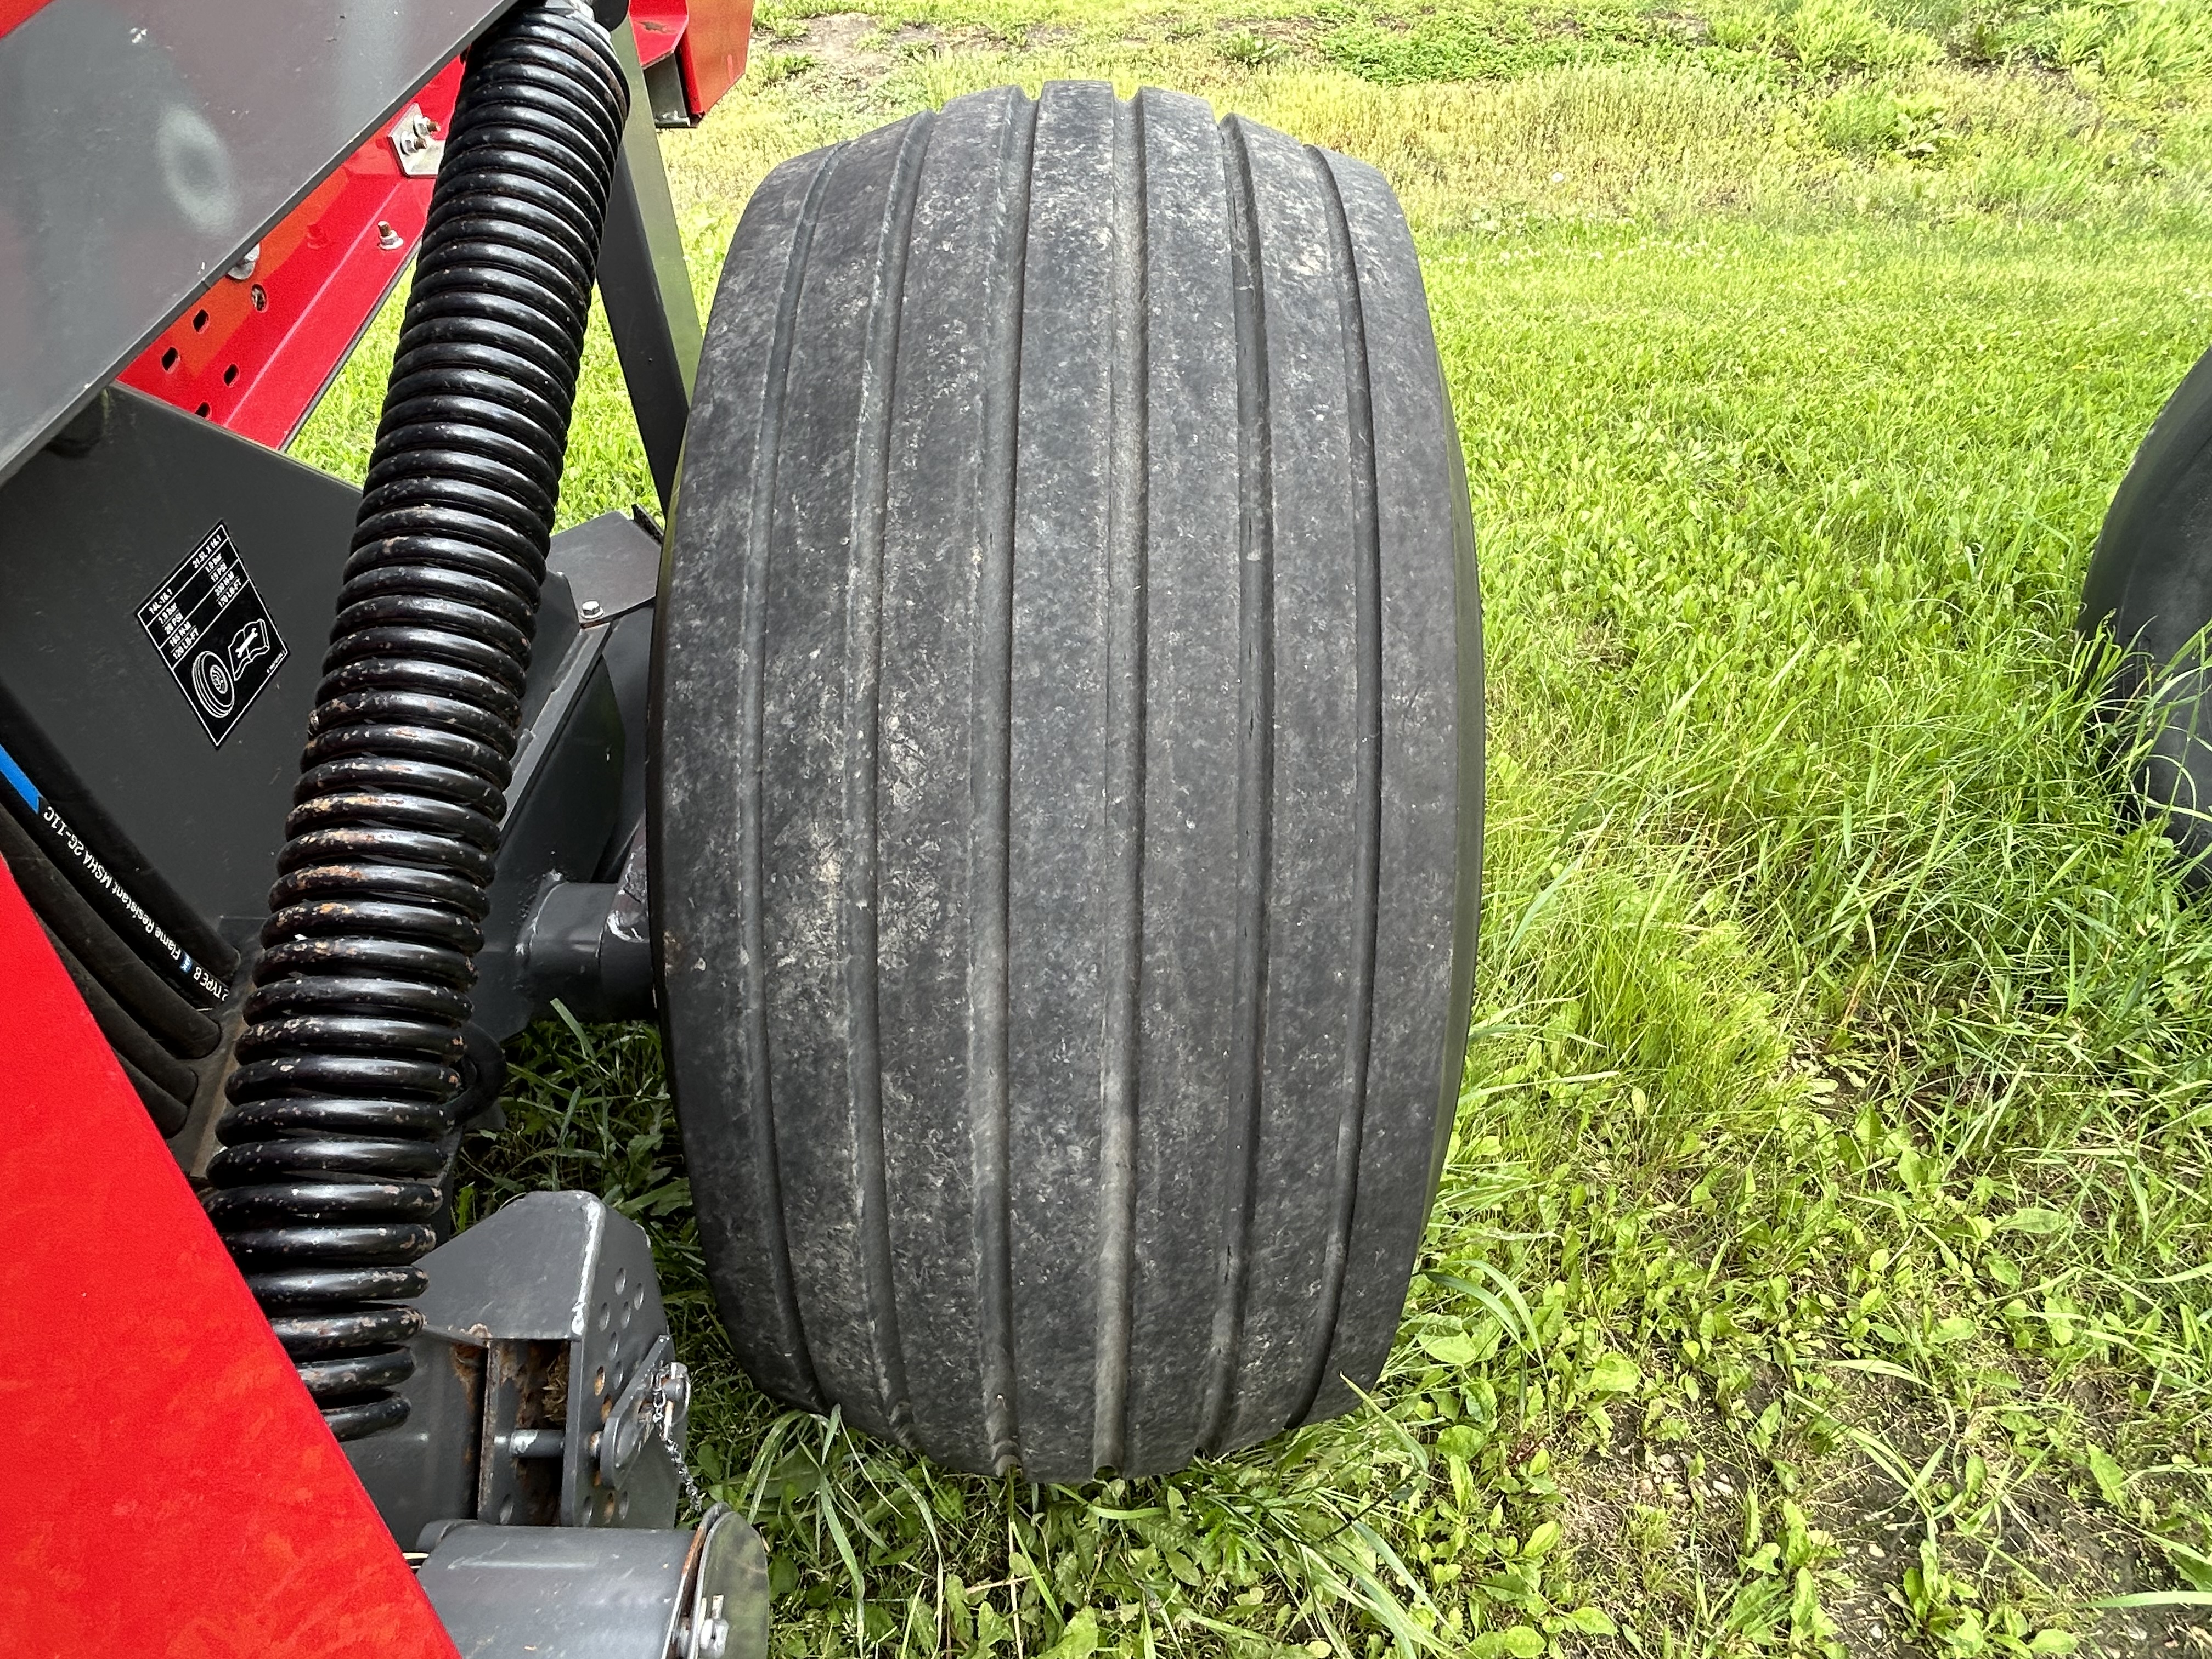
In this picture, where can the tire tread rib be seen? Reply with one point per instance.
(767, 454)
(1367, 798)
(1125, 789)
(991, 772)
(1256, 757)
(863, 709)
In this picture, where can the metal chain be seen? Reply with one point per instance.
(693, 1495)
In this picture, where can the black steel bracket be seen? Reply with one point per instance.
(646, 286)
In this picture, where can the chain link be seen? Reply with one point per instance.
(693, 1495)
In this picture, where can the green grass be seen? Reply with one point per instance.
(1825, 1260)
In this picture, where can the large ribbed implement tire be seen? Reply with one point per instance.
(2149, 585)
(1068, 790)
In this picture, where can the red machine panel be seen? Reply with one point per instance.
(660, 26)
(707, 37)
(174, 1491)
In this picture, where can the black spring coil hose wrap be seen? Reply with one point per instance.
(348, 1065)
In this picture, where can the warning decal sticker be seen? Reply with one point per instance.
(212, 630)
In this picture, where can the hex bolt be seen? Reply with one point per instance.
(414, 133)
(713, 1632)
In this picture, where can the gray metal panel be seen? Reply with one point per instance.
(143, 144)
(425, 1470)
(84, 538)
(612, 566)
(732, 1588)
(562, 1267)
(579, 779)
(83, 541)
(558, 1592)
(529, 1271)
(560, 818)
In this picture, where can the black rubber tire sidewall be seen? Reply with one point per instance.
(2149, 585)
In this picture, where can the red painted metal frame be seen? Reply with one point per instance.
(660, 26)
(172, 1489)
(256, 350)
(707, 37)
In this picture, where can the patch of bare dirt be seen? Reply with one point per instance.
(836, 40)
(1687, 27)
(2028, 1538)
(848, 47)
(1656, 1517)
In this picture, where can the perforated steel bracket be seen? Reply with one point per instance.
(543, 1327)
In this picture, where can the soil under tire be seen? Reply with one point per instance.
(1067, 795)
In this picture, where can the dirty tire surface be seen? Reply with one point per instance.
(2150, 583)
(1068, 761)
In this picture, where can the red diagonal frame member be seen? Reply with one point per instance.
(172, 1489)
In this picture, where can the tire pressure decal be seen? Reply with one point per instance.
(117, 905)
(213, 634)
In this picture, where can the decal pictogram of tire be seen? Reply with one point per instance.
(213, 685)
(1067, 795)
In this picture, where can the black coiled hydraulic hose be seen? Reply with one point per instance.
(348, 1065)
